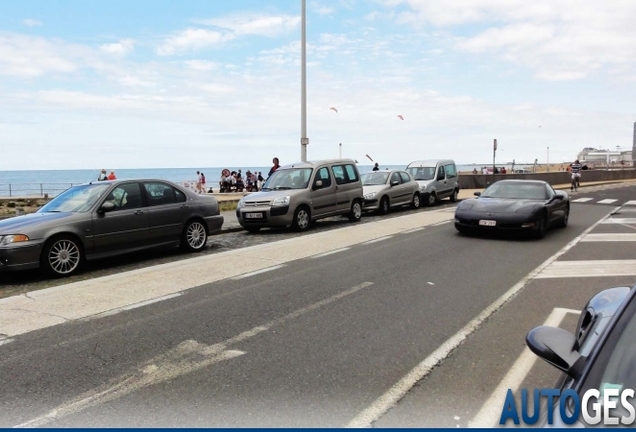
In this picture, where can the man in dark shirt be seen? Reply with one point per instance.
(275, 167)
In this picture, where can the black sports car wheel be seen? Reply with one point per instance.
(541, 228)
(566, 218)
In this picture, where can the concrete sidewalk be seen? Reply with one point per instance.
(230, 223)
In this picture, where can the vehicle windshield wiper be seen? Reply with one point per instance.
(266, 189)
(53, 211)
(282, 188)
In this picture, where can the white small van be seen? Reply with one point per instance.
(438, 179)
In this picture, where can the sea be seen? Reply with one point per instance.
(52, 182)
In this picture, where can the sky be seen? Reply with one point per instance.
(141, 84)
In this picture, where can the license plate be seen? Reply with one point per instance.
(487, 222)
(253, 215)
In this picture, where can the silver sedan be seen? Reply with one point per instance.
(102, 219)
(384, 190)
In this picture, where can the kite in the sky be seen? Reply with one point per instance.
(333, 109)
(400, 117)
(369, 158)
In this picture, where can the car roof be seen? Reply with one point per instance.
(313, 164)
(125, 181)
(429, 162)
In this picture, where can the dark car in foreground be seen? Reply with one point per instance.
(102, 219)
(514, 205)
(600, 355)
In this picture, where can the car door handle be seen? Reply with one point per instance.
(184, 206)
(139, 212)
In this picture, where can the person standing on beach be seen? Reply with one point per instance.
(112, 176)
(276, 163)
(376, 167)
(102, 176)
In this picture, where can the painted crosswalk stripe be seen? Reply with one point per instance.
(632, 202)
(610, 237)
(582, 200)
(619, 221)
(591, 268)
(607, 201)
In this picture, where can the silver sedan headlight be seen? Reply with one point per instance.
(240, 204)
(13, 238)
(370, 195)
(281, 201)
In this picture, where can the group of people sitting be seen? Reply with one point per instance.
(234, 182)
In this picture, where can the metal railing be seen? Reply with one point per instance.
(33, 189)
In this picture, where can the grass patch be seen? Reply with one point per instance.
(228, 205)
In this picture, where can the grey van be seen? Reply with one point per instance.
(438, 179)
(301, 193)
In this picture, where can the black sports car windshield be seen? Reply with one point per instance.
(515, 191)
(372, 179)
(78, 199)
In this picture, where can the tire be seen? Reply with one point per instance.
(384, 205)
(541, 230)
(432, 199)
(453, 196)
(415, 203)
(462, 230)
(253, 230)
(302, 219)
(356, 211)
(195, 236)
(62, 256)
(566, 218)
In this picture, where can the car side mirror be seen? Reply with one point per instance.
(395, 183)
(477, 194)
(106, 207)
(318, 185)
(557, 347)
(558, 197)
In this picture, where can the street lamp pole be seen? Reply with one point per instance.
(340, 150)
(548, 161)
(304, 141)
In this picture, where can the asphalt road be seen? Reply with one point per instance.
(313, 345)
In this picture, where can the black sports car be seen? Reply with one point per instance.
(515, 205)
(600, 355)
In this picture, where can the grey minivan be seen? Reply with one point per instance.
(438, 179)
(303, 192)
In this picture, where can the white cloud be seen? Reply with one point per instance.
(120, 48)
(31, 22)
(249, 24)
(321, 9)
(192, 39)
(558, 39)
(202, 65)
(26, 56)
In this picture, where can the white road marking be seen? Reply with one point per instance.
(620, 221)
(412, 230)
(430, 283)
(257, 272)
(132, 306)
(488, 415)
(630, 203)
(610, 237)
(377, 240)
(185, 358)
(330, 253)
(598, 268)
(5, 341)
(582, 200)
(607, 201)
(441, 223)
(384, 403)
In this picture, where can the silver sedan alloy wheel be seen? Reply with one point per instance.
(196, 235)
(64, 257)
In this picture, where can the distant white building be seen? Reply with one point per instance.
(595, 156)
